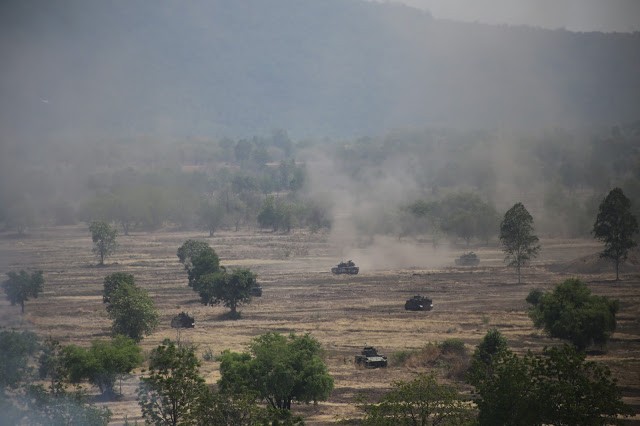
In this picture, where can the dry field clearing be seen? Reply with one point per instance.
(300, 295)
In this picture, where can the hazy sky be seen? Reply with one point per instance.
(573, 15)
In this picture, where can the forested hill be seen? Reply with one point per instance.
(313, 67)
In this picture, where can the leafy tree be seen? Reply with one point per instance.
(557, 387)
(279, 369)
(616, 226)
(63, 408)
(517, 238)
(103, 362)
(198, 259)
(112, 282)
(174, 391)
(21, 286)
(231, 289)
(104, 239)
(132, 311)
(15, 350)
(51, 364)
(211, 216)
(421, 401)
(571, 312)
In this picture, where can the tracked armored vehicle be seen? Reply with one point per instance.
(183, 320)
(370, 358)
(419, 303)
(345, 268)
(468, 259)
(256, 290)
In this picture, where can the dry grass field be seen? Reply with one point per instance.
(300, 295)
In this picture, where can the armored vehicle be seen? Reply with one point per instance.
(419, 303)
(256, 290)
(183, 320)
(345, 268)
(468, 259)
(370, 358)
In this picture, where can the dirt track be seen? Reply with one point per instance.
(301, 295)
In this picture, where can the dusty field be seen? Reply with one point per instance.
(301, 295)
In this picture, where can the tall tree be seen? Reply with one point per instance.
(104, 239)
(517, 238)
(198, 259)
(616, 226)
(279, 369)
(132, 311)
(21, 286)
(112, 282)
(173, 391)
(16, 348)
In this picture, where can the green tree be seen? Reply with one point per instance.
(132, 311)
(571, 312)
(279, 369)
(616, 226)
(63, 408)
(174, 391)
(199, 259)
(104, 239)
(421, 401)
(21, 286)
(557, 387)
(517, 238)
(230, 289)
(16, 348)
(112, 282)
(103, 362)
(211, 216)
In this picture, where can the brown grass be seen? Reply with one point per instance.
(300, 295)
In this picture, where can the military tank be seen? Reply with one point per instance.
(419, 303)
(468, 259)
(370, 358)
(183, 320)
(256, 290)
(347, 267)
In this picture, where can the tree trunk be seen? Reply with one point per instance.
(617, 269)
(22, 306)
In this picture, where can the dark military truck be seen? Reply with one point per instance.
(183, 320)
(345, 268)
(419, 303)
(370, 358)
(468, 259)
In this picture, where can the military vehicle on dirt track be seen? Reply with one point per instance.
(468, 259)
(419, 303)
(183, 320)
(370, 358)
(345, 268)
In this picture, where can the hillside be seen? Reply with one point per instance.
(77, 69)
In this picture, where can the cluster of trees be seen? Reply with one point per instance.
(213, 283)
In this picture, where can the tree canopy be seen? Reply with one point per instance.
(556, 387)
(616, 226)
(112, 282)
(279, 369)
(229, 289)
(571, 312)
(21, 286)
(103, 236)
(132, 311)
(517, 238)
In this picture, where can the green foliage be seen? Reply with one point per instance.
(16, 348)
(103, 362)
(517, 238)
(132, 311)
(21, 286)
(231, 289)
(211, 216)
(616, 226)
(199, 259)
(189, 250)
(571, 312)
(173, 392)
(112, 282)
(276, 214)
(558, 387)
(104, 239)
(278, 369)
(421, 401)
(63, 408)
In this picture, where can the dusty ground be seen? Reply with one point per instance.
(301, 295)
